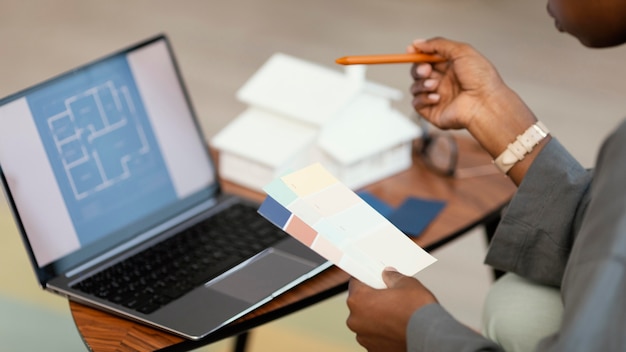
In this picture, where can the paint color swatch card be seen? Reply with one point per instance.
(318, 210)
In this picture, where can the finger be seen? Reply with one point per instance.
(429, 85)
(421, 70)
(443, 47)
(425, 100)
(437, 45)
(354, 285)
(392, 277)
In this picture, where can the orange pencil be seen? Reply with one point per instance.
(388, 59)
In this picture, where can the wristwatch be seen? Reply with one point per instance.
(522, 145)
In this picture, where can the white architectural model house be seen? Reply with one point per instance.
(300, 113)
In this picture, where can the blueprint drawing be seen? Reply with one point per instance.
(98, 117)
(102, 149)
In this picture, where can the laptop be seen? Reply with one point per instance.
(118, 202)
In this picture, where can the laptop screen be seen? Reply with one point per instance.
(96, 156)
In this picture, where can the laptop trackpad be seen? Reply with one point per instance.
(262, 276)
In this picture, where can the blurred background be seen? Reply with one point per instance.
(577, 92)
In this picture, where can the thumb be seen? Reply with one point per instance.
(438, 45)
(392, 277)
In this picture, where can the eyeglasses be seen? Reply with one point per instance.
(440, 153)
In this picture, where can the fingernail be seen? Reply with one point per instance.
(419, 41)
(434, 96)
(423, 70)
(429, 83)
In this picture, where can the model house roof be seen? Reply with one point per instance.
(264, 137)
(306, 91)
(366, 127)
(295, 104)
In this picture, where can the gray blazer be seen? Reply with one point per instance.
(565, 227)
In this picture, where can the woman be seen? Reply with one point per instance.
(563, 234)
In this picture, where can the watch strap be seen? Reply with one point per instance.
(522, 145)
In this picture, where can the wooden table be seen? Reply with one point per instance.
(469, 202)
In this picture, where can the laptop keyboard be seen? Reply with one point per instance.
(160, 274)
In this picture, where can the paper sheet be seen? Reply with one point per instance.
(315, 208)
